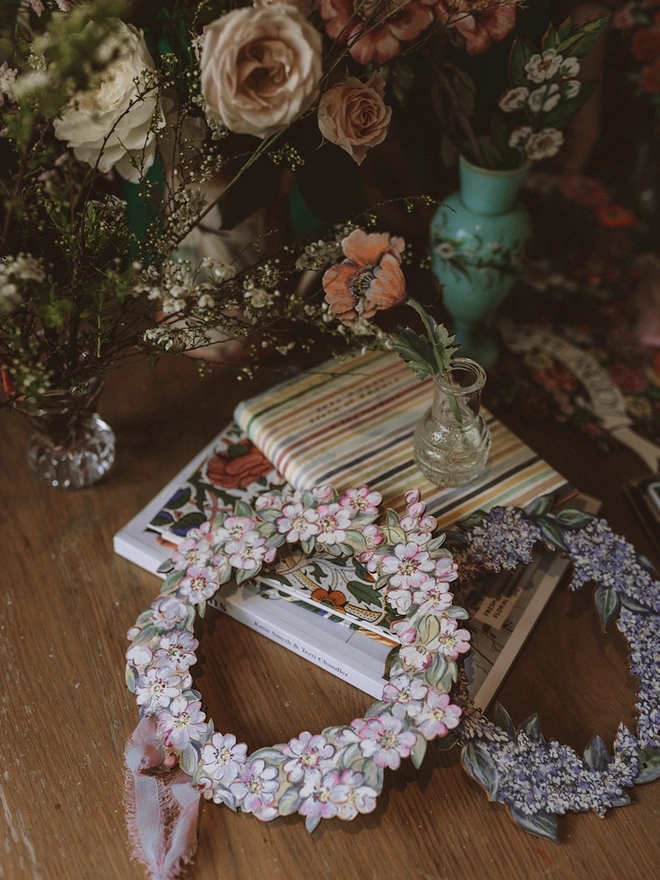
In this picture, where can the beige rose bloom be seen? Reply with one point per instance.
(304, 6)
(260, 68)
(354, 116)
(98, 124)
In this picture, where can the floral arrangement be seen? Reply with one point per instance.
(639, 20)
(543, 93)
(339, 772)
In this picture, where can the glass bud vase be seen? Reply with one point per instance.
(71, 447)
(452, 440)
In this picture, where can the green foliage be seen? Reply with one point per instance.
(429, 355)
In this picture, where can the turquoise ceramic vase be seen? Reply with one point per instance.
(478, 237)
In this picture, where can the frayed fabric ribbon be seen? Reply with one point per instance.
(161, 815)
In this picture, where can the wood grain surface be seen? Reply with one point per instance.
(66, 602)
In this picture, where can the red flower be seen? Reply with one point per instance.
(369, 279)
(651, 77)
(395, 21)
(615, 216)
(645, 44)
(239, 466)
(333, 598)
(583, 190)
(480, 27)
(628, 378)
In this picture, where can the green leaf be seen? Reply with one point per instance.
(436, 671)
(550, 38)
(540, 505)
(246, 574)
(415, 351)
(574, 519)
(390, 660)
(532, 728)
(189, 520)
(165, 567)
(581, 40)
(131, 678)
(596, 755)
(479, 765)
(178, 500)
(649, 764)
(162, 519)
(428, 628)
(608, 604)
(521, 52)
(188, 760)
(466, 90)
(418, 750)
(446, 742)
(271, 756)
(392, 518)
(552, 533)
(503, 720)
(312, 822)
(456, 612)
(242, 508)
(394, 535)
(541, 824)
(365, 593)
(633, 605)
(436, 543)
(289, 802)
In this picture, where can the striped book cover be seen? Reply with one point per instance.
(351, 423)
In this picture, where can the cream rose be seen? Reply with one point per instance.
(260, 68)
(110, 123)
(354, 116)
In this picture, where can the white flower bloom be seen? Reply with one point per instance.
(7, 81)
(544, 144)
(9, 295)
(569, 68)
(544, 99)
(182, 722)
(258, 298)
(223, 758)
(543, 67)
(156, 689)
(571, 88)
(520, 136)
(112, 122)
(514, 99)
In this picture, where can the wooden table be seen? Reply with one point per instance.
(67, 601)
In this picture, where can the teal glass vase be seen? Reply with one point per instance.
(478, 239)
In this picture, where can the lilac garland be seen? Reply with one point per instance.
(339, 772)
(540, 780)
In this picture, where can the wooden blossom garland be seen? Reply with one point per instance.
(339, 772)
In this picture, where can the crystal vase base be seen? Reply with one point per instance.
(76, 466)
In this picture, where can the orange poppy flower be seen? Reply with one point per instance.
(615, 216)
(334, 598)
(369, 279)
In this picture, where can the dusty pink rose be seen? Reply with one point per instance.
(383, 30)
(479, 25)
(260, 68)
(354, 116)
(369, 279)
(304, 6)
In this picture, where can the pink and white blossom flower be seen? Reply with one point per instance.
(223, 759)
(253, 553)
(182, 722)
(321, 794)
(408, 568)
(433, 597)
(199, 584)
(167, 611)
(297, 522)
(415, 652)
(333, 522)
(307, 752)
(446, 569)
(235, 532)
(139, 655)
(569, 67)
(401, 600)
(438, 715)
(177, 650)
(255, 788)
(406, 694)
(361, 501)
(385, 739)
(156, 689)
(323, 494)
(452, 640)
(353, 795)
(191, 552)
(269, 501)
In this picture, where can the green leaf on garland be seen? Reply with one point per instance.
(131, 678)
(608, 604)
(436, 671)
(480, 766)
(189, 760)
(246, 574)
(649, 764)
(551, 532)
(271, 756)
(312, 822)
(390, 660)
(165, 567)
(418, 750)
(446, 742)
(365, 593)
(596, 755)
(456, 612)
(573, 519)
(289, 802)
(503, 720)
(242, 508)
(542, 824)
(532, 728)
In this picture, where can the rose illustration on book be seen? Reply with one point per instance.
(239, 466)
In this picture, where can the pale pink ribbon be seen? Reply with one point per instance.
(161, 817)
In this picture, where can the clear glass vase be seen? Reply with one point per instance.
(452, 440)
(71, 447)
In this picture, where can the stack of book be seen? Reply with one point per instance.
(349, 424)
